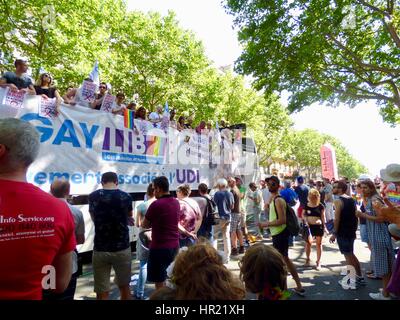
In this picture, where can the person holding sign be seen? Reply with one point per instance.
(18, 80)
(96, 104)
(119, 106)
(85, 94)
(45, 89)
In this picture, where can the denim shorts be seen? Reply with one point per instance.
(346, 245)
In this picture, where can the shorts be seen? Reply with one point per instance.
(281, 242)
(364, 233)
(102, 262)
(243, 219)
(346, 245)
(159, 261)
(317, 230)
(236, 222)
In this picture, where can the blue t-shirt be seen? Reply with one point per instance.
(225, 201)
(289, 195)
(20, 82)
(302, 192)
(110, 209)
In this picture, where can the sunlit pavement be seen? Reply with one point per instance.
(319, 285)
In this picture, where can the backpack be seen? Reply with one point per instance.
(211, 211)
(292, 224)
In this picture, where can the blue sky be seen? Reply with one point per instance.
(360, 129)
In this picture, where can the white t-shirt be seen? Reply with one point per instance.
(266, 195)
(255, 202)
(155, 116)
(118, 109)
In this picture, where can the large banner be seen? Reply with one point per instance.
(328, 162)
(79, 144)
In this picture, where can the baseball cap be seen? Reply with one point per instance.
(391, 173)
(273, 178)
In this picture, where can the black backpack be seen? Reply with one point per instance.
(292, 224)
(211, 212)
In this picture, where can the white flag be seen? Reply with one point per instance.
(95, 74)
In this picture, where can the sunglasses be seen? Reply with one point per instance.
(103, 87)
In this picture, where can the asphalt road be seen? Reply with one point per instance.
(319, 285)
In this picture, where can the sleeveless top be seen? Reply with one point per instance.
(50, 92)
(275, 230)
(314, 211)
(348, 219)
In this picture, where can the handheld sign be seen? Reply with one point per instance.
(15, 99)
(88, 91)
(108, 102)
(48, 107)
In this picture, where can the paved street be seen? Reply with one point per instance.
(322, 284)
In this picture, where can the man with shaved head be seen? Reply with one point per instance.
(60, 189)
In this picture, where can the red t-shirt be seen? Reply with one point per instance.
(35, 227)
(163, 215)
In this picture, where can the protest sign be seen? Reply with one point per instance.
(108, 102)
(48, 107)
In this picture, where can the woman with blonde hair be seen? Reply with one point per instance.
(199, 274)
(263, 271)
(314, 219)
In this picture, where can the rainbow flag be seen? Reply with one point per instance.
(129, 116)
(155, 146)
(393, 197)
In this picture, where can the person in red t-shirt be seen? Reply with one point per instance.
(36, 230)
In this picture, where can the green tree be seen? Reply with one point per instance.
(266, 119)
(305, 149)
(63, 37)
(347, 165)
(156, 58)
(323, 51)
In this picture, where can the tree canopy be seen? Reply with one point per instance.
(148, 54)
(304, 148)
(323, 51)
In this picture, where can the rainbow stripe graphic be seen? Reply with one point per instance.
(393, 197)
(129, 116)
(155, 146)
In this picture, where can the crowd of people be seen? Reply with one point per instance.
(177, 247)
(18, 80)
